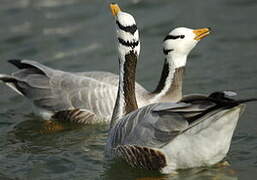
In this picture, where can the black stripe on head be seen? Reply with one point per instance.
(128, 44)
(131, 29)
(173, 37)
(166, 51)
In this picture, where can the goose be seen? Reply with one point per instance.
(193, 132)
(166, 137)
(89, 97)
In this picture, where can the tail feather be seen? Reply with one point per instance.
(246, 100)
(223, 99)
(7, 78)
(32, 66)
(19, 64)
(11, 82)
(31, 80)
(40, 84)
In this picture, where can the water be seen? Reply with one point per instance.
(78, 35)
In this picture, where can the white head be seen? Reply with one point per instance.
(180, 41)
(127, 32)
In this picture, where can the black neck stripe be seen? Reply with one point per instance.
(129, 82)
(171, 37)
(131, 29)
(128, 44)
(166, 51)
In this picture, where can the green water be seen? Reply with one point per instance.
(78, 35)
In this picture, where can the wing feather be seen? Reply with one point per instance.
(155, 125)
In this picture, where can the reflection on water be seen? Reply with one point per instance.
(78, 35)
(218, 173)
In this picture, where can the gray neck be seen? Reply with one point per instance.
(170, 83)
(126, 98)
(175, 91)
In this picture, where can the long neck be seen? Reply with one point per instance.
(126, 98)
(171, 81)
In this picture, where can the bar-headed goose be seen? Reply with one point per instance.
(91, 95)
(193, 132)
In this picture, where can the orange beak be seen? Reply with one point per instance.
(201, 33)
(115, 9)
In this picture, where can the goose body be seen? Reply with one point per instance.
(170, 136)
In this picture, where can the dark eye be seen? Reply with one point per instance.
(182, 36)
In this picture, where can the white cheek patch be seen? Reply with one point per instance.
(170, 49)
(178, 59)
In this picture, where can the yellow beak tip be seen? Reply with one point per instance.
(201, 33)
(115, 9)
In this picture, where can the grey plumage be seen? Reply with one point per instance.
(55, 90)
(148, 125)
(157, 126)
(157, 120)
